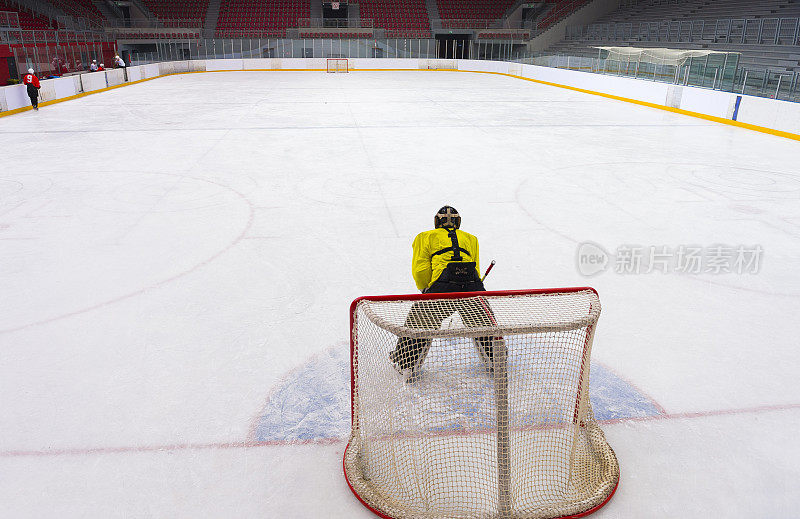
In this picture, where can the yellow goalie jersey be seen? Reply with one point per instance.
(433, 250)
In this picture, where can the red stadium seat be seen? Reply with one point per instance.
(260, 19)
(27, 20)
(194, 10)
(408, 19)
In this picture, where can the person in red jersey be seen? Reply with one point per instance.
(101, 68)
(32, 82)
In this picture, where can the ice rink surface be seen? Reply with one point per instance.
(177, 259)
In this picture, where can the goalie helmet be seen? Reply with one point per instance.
(447, 217)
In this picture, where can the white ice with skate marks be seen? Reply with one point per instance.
(313, 401)
(172, 253)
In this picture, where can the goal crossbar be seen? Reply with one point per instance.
(536, 324)
(337, 65)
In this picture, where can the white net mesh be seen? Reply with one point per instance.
(659, 56)
(489, 415)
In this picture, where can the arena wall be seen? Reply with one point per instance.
(115, 77)
(47, 92)
(261, 64)
(64, 87)
(16, 97)
(92, 81)
(382, 64)
(214, 65)
(165, 69)
(197, 65)
(771, 114)
(763, 114)
(134, 74)
(151, 71)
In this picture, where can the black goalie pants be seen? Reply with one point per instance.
(410, 352)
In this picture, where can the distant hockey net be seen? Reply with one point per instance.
(338, 65)
(496, 419)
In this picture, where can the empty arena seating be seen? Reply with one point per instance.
(559, 10)
(80, 8)
(765, 32)
(254, 18)
(514, 36)
(338, 35)
(408, 19)
(473, 10)
(488, 14)
(27, 20)
(654, 10)
(178, 9)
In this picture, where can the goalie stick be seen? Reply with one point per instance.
(491, 266)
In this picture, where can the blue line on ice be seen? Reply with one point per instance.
(313, 401)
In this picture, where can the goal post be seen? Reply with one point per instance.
(495, 421)
(338, 65)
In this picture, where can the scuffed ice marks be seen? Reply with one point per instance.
(615, 399)
(312, 403)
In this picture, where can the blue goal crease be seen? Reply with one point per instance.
(314, 403)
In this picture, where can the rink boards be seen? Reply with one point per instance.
(766, 115)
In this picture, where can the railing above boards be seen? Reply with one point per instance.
(171, 23)
(477, 24)
(9, 20)
(334, 23)
(50, 37)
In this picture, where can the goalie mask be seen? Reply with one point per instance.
(447, 217)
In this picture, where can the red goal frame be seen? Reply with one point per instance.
(433, 297)
(346, 61)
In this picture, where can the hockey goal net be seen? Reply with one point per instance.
(476, 405)
(338, 65)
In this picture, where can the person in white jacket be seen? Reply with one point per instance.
(119, 62)
(93, 66)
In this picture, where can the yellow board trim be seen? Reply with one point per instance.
(82, 94)
(730, 122)
(698, 115)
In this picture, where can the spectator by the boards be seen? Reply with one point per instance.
(56, 64)
(119, 62)
(33, 85)
(101, 68)
(93, 66)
